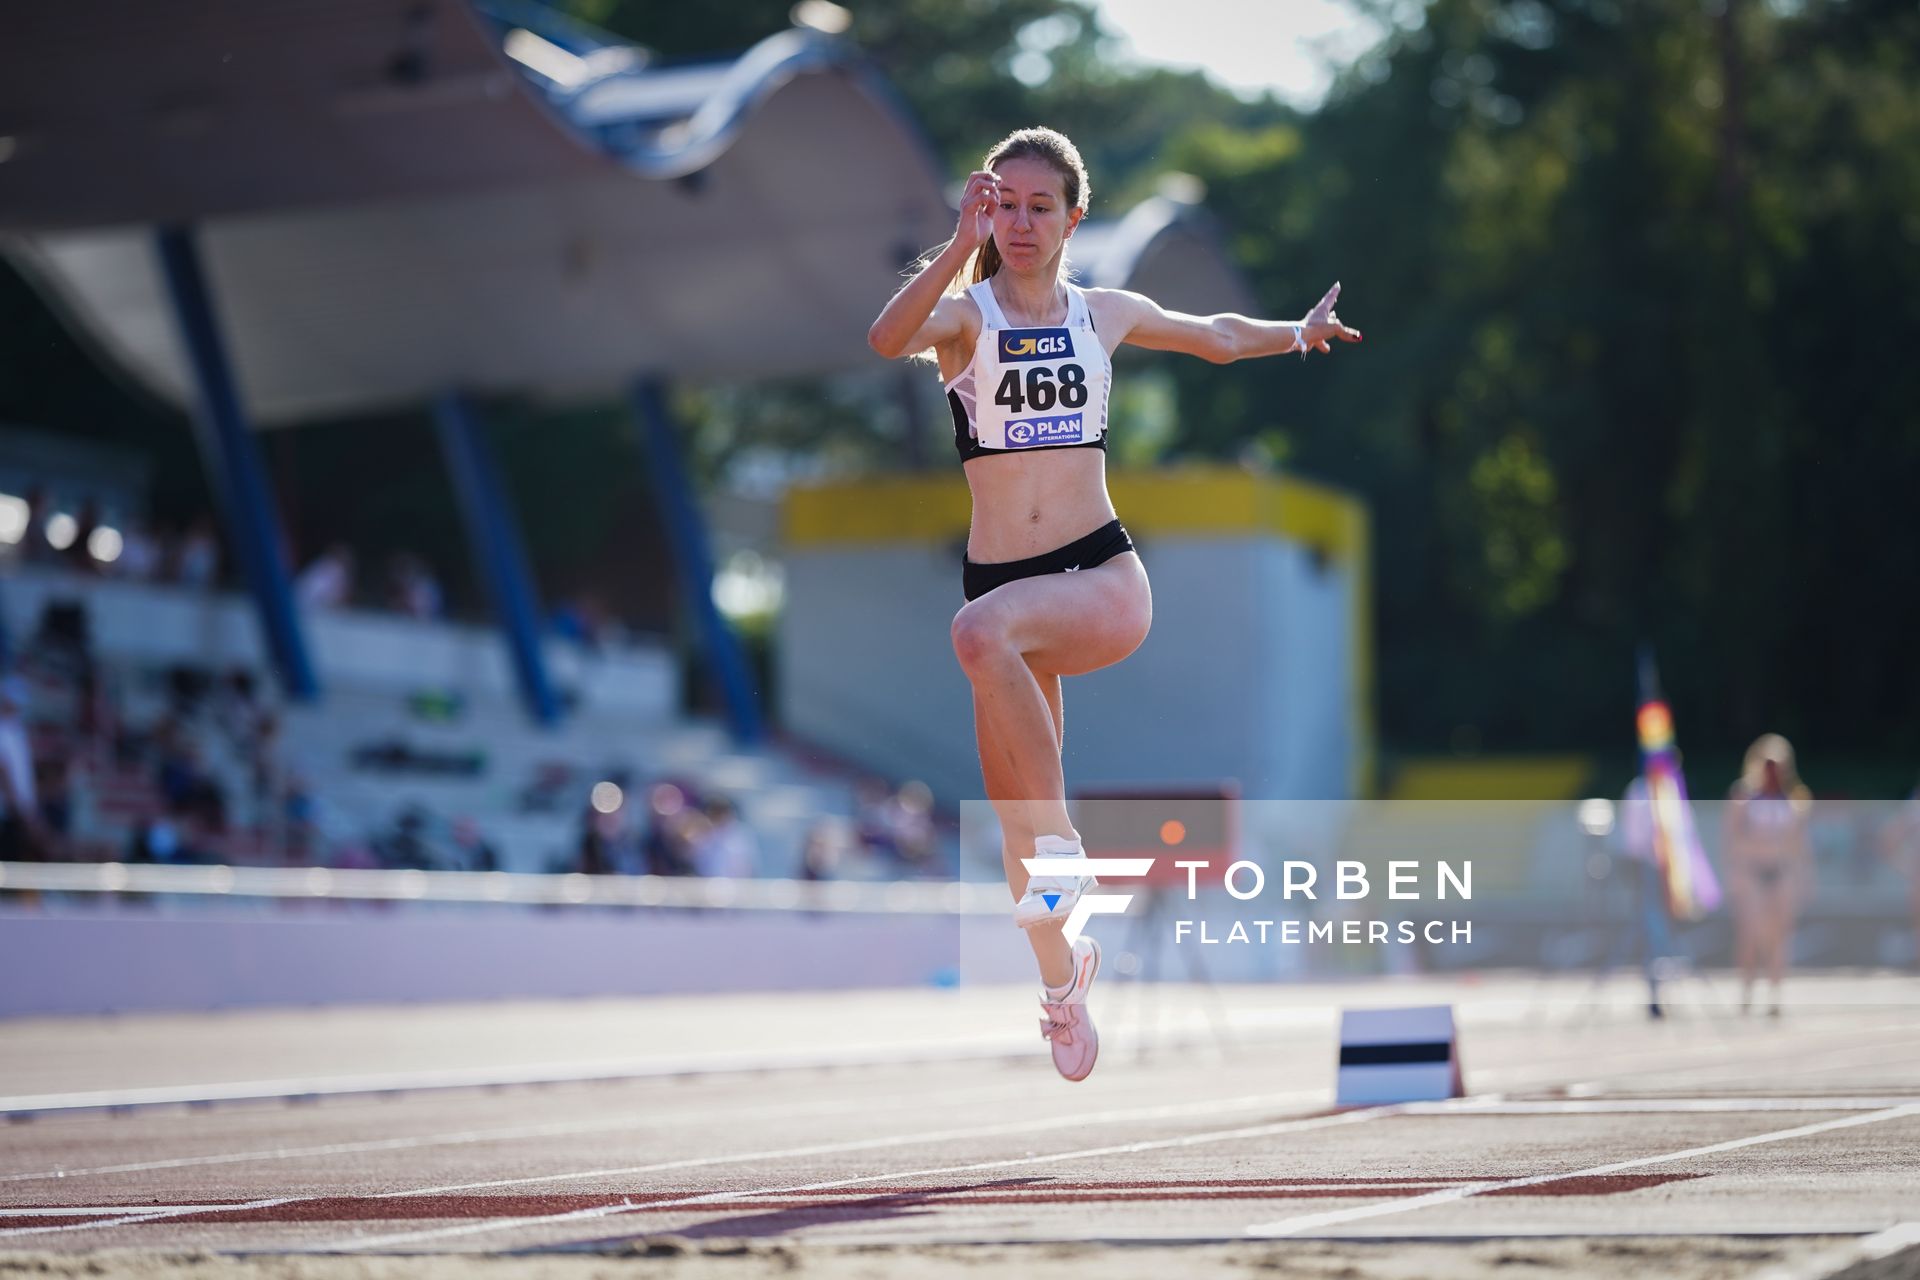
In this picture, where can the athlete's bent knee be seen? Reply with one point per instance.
(977, 638)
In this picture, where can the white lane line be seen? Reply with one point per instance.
(142, 1217)
(1159, 1193)
(557, 1128)
(533, 1073)
(746, 1198)
(94, 1211)
(1071, 1120)
(1503, 1015)
(1159, 1112)
(1678, 1063)
(1771, 1062)
(1496, 1106)
(1514, 1076)
(1291, 1019)
(1315, 1221)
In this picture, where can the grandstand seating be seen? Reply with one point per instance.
(526, 788)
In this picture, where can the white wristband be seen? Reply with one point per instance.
(1300, 340)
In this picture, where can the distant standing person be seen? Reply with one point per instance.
(1635, 836)
(1769, 862)
(1900, 843)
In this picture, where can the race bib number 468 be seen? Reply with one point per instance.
(1039, 389)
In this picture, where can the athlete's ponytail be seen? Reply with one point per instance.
(1048, 145)
(986, 261)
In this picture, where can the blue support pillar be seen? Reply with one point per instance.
(498, 555)
(693, 561)
(233, 464)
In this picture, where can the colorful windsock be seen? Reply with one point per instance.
(1692, 890)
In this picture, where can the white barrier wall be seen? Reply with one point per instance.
(118, 959)
(370, 651)
(1256, 669)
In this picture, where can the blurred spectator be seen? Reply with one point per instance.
(266, 757)
(413, 590)
(197, 557)
(869, 814)
(34, 547)
(79, 552)
(1769, 862)
(829, 843)
(20, 826)
(607, 843)
(167, 839)
(570, 621)
(725, 847)
(552, 781)
(471, 852)
(355, 855)
(405, 846)
(327, 583)
(53, 785)
(910, 815)
(237, 708)
(185, 784)
(897, 825)
(1635, 834)
(62, 643)
(667, 846)
(139, 553)
(300, 833)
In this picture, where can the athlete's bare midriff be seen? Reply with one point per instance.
(1030, 503)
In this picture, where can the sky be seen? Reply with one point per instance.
(1249, 46)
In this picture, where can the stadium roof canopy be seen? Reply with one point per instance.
(397, 197)
(389, 204)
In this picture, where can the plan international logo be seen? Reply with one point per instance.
(1025, 433)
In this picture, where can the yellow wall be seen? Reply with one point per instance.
(1223, 501)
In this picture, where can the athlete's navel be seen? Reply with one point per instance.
(1033, 516)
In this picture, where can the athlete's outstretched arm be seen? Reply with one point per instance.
(1229, 337)
(921, 315)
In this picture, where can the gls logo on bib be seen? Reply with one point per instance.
(1034, 344)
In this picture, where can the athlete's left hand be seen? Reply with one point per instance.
(1322, 326)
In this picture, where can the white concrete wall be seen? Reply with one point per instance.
(110, 959)
(1244, 676)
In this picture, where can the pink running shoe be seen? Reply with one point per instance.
(1067, 1024)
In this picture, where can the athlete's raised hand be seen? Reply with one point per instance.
(1321, 326)
(976, 209)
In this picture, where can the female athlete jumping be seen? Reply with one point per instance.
(1053, 585)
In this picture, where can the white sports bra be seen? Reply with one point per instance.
(1047, 387)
